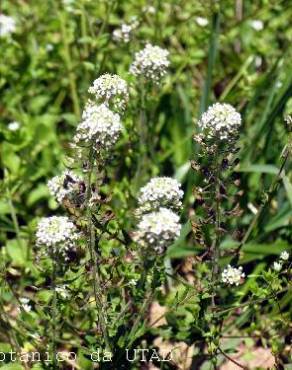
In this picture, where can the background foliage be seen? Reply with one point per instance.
(58, 49)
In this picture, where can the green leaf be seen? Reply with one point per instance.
(40, 192)
(260, 168)
(180, 248)
(17, 251)
(12, 367)
(288, 188)
(254, 251)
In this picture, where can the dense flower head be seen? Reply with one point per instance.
(158, 230)
(64, 185)
(232, 275)
(7, 25)
(160, 192)
(100, 126)
(220, 121)
(110, 88)
(58, 234)
(151, 63)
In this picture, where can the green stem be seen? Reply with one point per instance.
(142, 139)
(109, 8)
(99, 301)
(14, 218)
(211, 62)
(54, 315)
(216, 243)
(273, 188)
(69, 66)
(84, 31)
(144, 308)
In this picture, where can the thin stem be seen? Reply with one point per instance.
(69, 66)
(142, 138)
(250, 303)
(216, 243)
(146, 303)
(101, 309)
(14, 217)
(270, 194)
(211, 61)
(84, 31)
(54, 314)
(109, 7)
(231, 359)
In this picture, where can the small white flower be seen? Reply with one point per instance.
(258, 61)
(13, 126)
(63, 185)
(49, 47)
(284, 256)
(110, 88)
(132, 282)
(257, 24)
(69, 5)
(220, 121)
(277, 266)
(151, 63)
(100, 126)
(58, 234)
(25, 304)
(62, 290)
(160, 192)
(123, 34)
(232, 275)
(149, 9)
(158, 230)
(7, 25)
(203, 22)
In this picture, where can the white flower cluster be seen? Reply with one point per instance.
(232, 275)
(110, 88)
(220, 121)
(284, 257)
(160, 192)
(63, 185)
(151, 63)
(7, 25)
(100, 126)
(158, 230)
(58, 234)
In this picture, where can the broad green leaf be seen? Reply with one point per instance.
(17, 251)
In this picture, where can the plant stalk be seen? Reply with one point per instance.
(101, 309)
